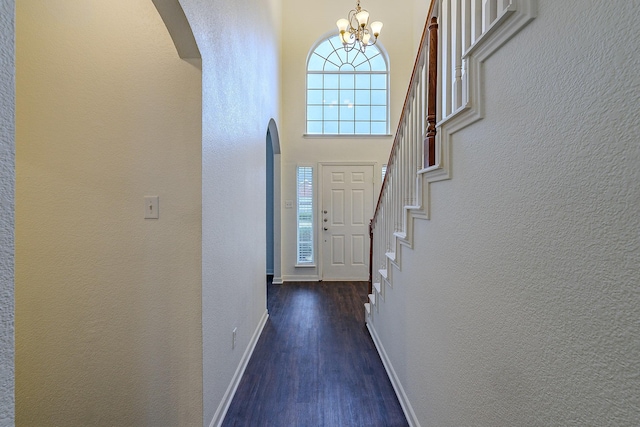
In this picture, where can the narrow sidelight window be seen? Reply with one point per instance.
(304, 177)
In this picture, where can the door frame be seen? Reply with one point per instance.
(319, 230)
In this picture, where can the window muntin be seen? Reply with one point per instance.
(347, 92)
(304, 184)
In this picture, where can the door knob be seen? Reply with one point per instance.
(325, 229)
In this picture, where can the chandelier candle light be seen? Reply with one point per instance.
(356, 31)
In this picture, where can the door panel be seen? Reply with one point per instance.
(337, 208)
(337, 250)
(357, 207)
(358, 251)
(347, 207)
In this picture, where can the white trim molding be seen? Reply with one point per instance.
(471, 31)
(412, 419)
(221, 412)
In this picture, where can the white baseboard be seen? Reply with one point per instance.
(301, 278)
(395, 381)
(315, 278)
(221, 412)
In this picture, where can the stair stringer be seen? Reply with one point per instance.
(470, 112)
(518, 15)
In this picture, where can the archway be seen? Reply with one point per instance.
(273, 197)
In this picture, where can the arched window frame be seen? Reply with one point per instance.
(331, 121)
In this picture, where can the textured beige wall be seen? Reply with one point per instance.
(108, 304)
(398, 37)
(520, 304)
(420, 11)
(7, 187)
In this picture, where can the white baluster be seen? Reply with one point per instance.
(467, 24)
(420, 123)
(419, 136)
(423, 113)
(406, 148)
(456, 52)
(402, 171)
(476, 20)
(504, 5)
(489, 13)
(445, 61)
(396, 186)
(417, 140)
(389, 212)
(386, 210)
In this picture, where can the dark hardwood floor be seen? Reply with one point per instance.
(315, 363)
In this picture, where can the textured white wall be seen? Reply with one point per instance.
(7, 184)
(108, 322)
(520, 304)
(240, 59)
(399, 39)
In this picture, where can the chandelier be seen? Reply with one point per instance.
(356, 31)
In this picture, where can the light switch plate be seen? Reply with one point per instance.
(288, 204)
(151, 206)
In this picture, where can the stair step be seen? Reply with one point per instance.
(377, 287)
(400, 235)
(367, 307)
(391, 255)
(372, 298)
(383, 272)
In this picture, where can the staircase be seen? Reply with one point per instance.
(444, 97)
(400, 200)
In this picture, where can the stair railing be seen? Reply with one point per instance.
(413, 149)
(471, 30)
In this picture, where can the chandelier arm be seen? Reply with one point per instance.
(351, 18)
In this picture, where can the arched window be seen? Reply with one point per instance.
(347, 92)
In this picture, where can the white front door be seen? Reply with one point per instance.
(347, 208)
